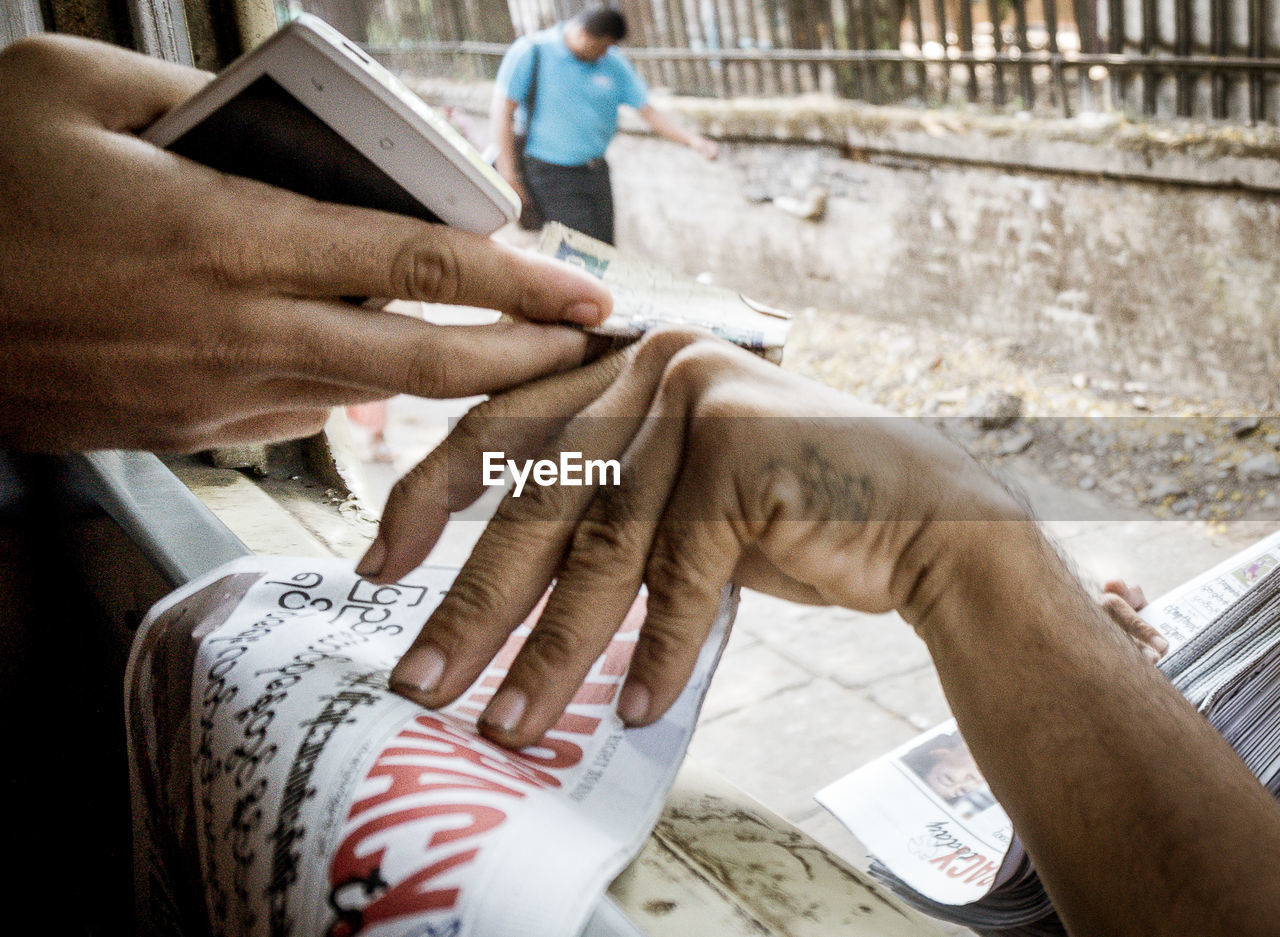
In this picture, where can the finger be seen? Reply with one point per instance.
(491, 595)
(120, 89)
(1134, 625)
(321, 249)
(518, 423)
(598, 579)
(262, 428)
(1131, 594)
(395, 354)
(270, 427)
(694, 554)
(601, 573)
(595, 588)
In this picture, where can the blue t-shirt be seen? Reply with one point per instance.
(576, 112)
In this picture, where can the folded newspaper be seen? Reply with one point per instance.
(646, 296)
(280, 788)
(942, 842)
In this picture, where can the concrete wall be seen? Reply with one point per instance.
(1149, 252)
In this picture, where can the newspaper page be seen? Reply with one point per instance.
(1185, 610)
(926, 814)
(281, 789)
(925, 811)
(645, 296)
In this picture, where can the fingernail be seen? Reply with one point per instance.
(374, 558)
(633, 704)
(583, 313)
(505, 709)
(419, 671)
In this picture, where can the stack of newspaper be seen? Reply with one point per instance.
(937, 835)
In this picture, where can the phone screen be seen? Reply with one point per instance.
(265, 133)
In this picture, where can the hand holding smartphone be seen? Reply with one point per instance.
(309, 111)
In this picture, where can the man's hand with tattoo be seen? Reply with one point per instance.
(731, 470)
(1140, 819)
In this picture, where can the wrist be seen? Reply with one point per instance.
(985, 544)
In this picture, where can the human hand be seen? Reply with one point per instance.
(152, 302)
(1122, 603)
(731, 470)
(707, 149)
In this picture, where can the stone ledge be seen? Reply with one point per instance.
(1105, 145)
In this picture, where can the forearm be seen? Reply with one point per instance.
(1140, 819)
(667, 128)
(502, 130)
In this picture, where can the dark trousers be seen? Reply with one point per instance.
(577, 196)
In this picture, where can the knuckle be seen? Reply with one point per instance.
(537, 504)
(33, 57)
(658, 346)
(226, 352)
(667, 566)
(1145, 631)
(485, 427)
(553, 647)
(696, 365)
(429, 372)
(1115, 606)
(616, 505)
(210, 243)
(473, 433)
(474, 601)
(663, 647)
(598, 542)
(427, 270)
(309, 423)
(422, 477)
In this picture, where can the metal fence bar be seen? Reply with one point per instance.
(870, 40)
(727, 25)
(917, 28)
(1148, 44)
(678, 34)
(900, 11)
(1058, 93)
(1182, 47)
(784, 79)
(711, 74)
(997, 48)
(1218, 46)
(803, 33)
(940, 22)
(1026, 89)
(1086, 17)
(1116, 45)
(1257, 49)
(966, 46)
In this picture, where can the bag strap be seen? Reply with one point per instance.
(531, 99)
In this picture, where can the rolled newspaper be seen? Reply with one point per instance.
(281, 789)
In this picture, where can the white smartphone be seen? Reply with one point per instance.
(308, 110)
